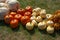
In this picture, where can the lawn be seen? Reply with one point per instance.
(21, 33)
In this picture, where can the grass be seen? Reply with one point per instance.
(6, 33)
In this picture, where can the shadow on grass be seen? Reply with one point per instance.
(15, 29)
(2, 23)
(45, 32)
(58, 32)
(31, 32)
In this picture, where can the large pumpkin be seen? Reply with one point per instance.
(2, 1)
(3, 5)
(13, 4)
(3, 12)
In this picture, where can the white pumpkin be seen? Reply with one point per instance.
(42, 25)
(3, 12)
(32, 18)
(2, 1)
(43, 13)
(50, 29)
(13, 4)
(50, 22)
(3, 5)
(34, 22)
(34, 14)
(48, 16)
(29, 26)
(38, 19)
(37, 9)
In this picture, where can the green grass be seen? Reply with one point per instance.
(21, 33)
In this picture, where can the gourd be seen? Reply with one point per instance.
(37, 11)
(34, 14)
(49, 22)
(50, 29)
(43, 13)
(48, 16)
(57, 26)
(39, 19)
(34, 22)
(42, 25)
(29, 26)
(32, 18)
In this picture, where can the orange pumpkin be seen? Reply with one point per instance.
(25, 19)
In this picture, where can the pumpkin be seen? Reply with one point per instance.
(42, 25)
(48, 16)
(29, 26)
(2, 1)
(37, 11)
(3, 5)
(33, 18)
(34, 22)
(34, 14)
(57, 26)
(13, 4)
(43, 13)
(49, 22)
(3, 12)
(38, 19)
(50, 29)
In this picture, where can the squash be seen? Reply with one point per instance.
(29, 26)
(37, 11)
(43, 13)
(48, 16)
(2, 1)
(32, 18)
(34, 14)
(42, 25)
(3, 12)
(50, 29)
(4, 5)
(38, 18)
(34, 22)
(13, 5)
(49, 22)
(57, 26)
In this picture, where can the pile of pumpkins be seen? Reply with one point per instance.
(12, 14)
(6, 6)
(41, 20)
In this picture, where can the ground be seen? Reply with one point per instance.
(21, 33)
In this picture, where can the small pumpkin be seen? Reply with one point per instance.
(43, 13)
(50, 29)
(42, 25)
(29, 26)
